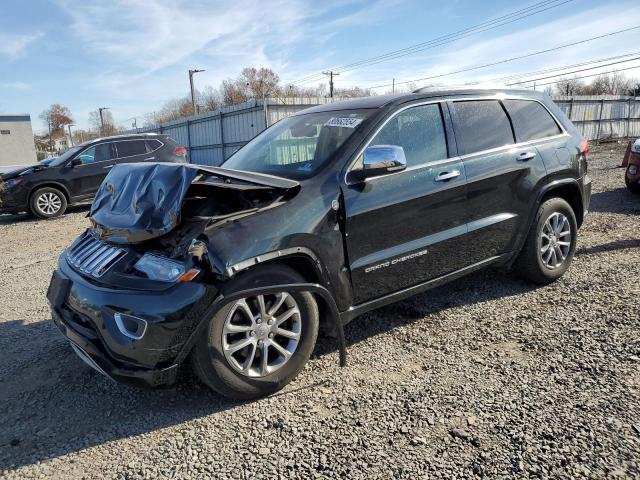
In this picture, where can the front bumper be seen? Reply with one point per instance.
(84, 313)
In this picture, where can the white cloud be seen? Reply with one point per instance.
(155, 34)
(14, 45)
(15, 85)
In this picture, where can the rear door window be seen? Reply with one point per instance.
(419, 131)
(130, 148)
(483, 125)
(531, 120)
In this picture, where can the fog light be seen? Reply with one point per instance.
(632, 170)
(129, 326)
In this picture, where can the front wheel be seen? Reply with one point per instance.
(550, 244)
(48, 203)
(255, 345)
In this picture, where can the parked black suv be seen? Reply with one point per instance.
(45, 189)
(330, 213)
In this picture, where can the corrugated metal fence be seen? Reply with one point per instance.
(214, 136)
(603, 116)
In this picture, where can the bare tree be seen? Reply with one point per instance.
(210, 99)
(109, 125)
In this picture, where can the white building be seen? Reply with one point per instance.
(16, 140)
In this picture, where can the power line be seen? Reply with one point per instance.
(589, 76)
(449, 38)
(507, 60)
(575, 71)
(519, 76)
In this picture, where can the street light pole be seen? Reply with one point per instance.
(69, 125)
(100, 110)
(193, 93)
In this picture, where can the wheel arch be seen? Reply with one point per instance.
(305, 262)
(568, 191)
(51, 184)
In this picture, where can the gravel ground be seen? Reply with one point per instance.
(486, 376)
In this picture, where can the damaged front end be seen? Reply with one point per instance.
(131, 290)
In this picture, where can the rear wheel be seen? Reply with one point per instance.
(255, 345)
(48, 203)
(550, 244)
(634, 187)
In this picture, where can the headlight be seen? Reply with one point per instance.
(12, 182)
(632, 170)
(164, 270)
(636, 146)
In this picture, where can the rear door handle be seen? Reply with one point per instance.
(150, 158)
(526, 156)
(444, 176)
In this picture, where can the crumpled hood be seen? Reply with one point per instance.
(140, 201)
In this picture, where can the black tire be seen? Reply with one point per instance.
(38, 205)
(529, 264)
(634, 187)
(207, 357)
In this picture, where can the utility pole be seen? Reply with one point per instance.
(330, 73)
(393, 86)
(50, 139)
(193, 92)
(100, 110)
(70, 138)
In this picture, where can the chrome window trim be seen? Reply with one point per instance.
(496, 96)
(114, 146)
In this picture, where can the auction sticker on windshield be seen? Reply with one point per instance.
(345, 122)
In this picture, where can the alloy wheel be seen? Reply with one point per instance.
(261, 333)
(49, 203)
(555, 240)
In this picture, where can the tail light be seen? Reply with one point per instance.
(584, 147)
(180, 151)
(583, 161)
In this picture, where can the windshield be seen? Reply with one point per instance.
(297, 147)
(56, 162)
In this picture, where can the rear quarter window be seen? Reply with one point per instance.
(531, 120)
(130, 148)
(483, 125)
(153, 145)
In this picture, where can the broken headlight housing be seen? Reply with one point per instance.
(160, 268)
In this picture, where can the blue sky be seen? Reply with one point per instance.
(132, 56)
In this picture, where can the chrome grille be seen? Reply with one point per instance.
(92, 256)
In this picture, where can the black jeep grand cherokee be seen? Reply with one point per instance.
(329, 213)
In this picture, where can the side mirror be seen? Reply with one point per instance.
(380, 160)
(75, 162)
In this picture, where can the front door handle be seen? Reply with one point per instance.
(108, 167)
(445, 176)
(149, 159)
(526, 156)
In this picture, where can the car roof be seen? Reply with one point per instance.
(380, 101)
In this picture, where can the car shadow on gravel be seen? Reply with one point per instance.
(7, 219)
(619, 200)
(479, 287)
(52, 404)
